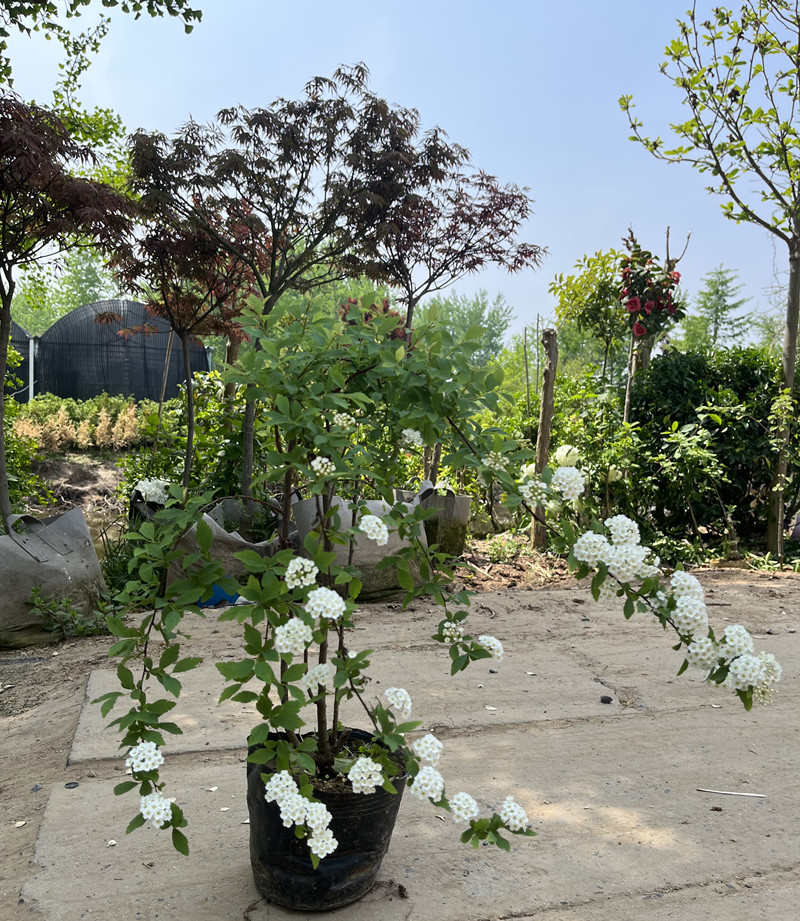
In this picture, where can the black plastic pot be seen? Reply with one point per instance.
(361, 823)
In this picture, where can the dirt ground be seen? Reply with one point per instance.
(42, 689)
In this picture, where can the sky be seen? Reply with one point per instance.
(530, 87)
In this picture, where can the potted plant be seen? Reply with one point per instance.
(337, 399)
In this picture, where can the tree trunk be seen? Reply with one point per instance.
(629, 383)
(776, 514)
(187, 370)
(231, 354)
(5, 335)
(550, 343)
(249, 434)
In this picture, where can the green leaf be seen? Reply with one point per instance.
(169, 656)
(236, 671)
(186, 664)
(125, 676)
(205, 538)
(136, 822)
(628, 609)
(170, 684)
(118, 628)
(124, 787)
(180, 842)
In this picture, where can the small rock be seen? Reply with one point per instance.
(91, 774)
(71, 785)
(111, 843)
(606, 699)
(492, 671)
(19, 824)
(36, 788)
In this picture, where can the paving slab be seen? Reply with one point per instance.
(559, 688)
(608, 834)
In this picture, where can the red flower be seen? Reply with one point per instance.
(675, 276)
(649, 306)
(633, 305)
(639, 330)
(670, 308)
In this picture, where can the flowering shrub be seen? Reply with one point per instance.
(300, 661)
(621, 568)
(648, 293)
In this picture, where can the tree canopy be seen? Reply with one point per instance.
(738, 74)
(27, 16)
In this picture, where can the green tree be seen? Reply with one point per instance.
(588, 302)
(458, 313)
(738, 74)
(27, 16)
(712, 323)
(47, 292)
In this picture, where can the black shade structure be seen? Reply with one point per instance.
(94, 350)
(20, 341)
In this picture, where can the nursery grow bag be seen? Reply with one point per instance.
(376, 583)
(361, 823)
(57, 555)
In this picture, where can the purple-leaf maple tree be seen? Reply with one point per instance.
(461, 224)
(184, 276)
(315, 181)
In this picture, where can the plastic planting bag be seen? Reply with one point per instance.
(55, 554)
(376, 583)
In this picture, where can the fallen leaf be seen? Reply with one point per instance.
(490, 708)
(224, 808)
(213, 789)
(19, 824)
(111, 843)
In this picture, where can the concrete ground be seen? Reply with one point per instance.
(614, 790)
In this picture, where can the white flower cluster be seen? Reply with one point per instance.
(144, 757)
(428, 784)
(399, 700)
(300, 572)
(494, 460)
(569, 482)
(325, 602)
(315, 678)
(155, 808)
(411, 438)
(534, 491)
(452, 631)
(566, 456)
(428, 748)
(344, 421)
(492, 645)
(513, 814)
(153, 491)
(375, 528)
(292, 638)
(297, 810)
(625, 558)
(322, 466)
(738, 641)
(365, 775)
(463, 808)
